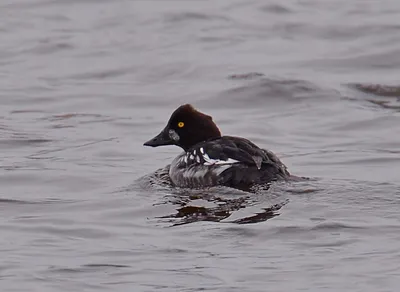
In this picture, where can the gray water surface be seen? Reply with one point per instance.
(84, 83)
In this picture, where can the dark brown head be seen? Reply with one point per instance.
(186, 127)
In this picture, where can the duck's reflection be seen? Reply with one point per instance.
(190, 214)
(215, 204)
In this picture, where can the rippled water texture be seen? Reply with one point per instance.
(85, 83)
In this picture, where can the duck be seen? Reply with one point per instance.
(210, 159)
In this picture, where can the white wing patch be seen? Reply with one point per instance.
(195, 156)
(184, 173)
(210, 161)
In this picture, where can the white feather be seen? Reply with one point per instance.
(210, 161)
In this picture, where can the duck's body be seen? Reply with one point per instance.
(210, 159)
(228, 161)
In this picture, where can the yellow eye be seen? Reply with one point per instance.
(181, 124)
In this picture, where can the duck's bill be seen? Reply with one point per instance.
(160, 140)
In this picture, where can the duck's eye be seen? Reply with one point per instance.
(181, 124)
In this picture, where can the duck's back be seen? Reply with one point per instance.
(229, 161)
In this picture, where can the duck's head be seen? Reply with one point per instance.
(186, 127)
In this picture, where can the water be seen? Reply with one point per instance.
(85, 83)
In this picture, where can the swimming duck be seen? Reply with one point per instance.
(210, 159)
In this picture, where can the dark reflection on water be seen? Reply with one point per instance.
(378, 89)
(385, 96)
(189, 213)
(223, 200)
